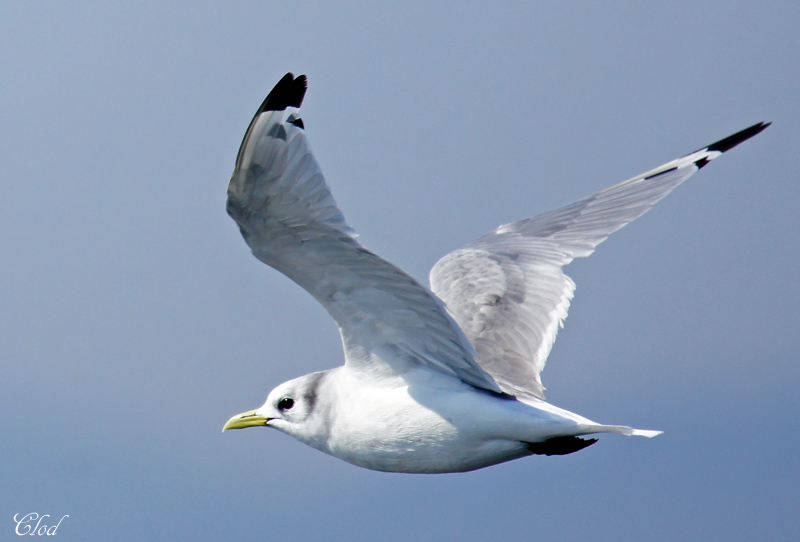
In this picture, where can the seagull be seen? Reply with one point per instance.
(435, 380)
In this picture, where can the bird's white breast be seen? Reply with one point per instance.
(426, 423)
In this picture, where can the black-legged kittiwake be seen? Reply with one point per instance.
(445, 379)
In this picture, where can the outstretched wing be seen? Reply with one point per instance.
(507, 290)
(286, 213)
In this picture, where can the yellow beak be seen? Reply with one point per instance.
(245, 419)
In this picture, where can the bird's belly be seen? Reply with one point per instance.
(422, 454)
(405, 436)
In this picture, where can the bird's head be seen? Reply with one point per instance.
(293, 407)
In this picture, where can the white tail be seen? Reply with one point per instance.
(620, 429)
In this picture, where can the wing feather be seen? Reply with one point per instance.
(507, 290)
(287, 215)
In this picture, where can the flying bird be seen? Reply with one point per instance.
(439, 379)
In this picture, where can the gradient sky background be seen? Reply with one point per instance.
(135, 322)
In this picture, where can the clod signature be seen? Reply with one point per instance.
(24, 525)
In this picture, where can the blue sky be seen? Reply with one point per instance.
(135, 322)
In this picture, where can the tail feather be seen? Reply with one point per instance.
(649, 433)
(621, 430)
(568, 444)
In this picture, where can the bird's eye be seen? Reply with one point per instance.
(286, 403)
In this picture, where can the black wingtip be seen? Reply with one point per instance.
(730, 142)
(702, 162)
(289, 92)
(560, 445)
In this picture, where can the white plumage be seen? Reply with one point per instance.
(439, 380)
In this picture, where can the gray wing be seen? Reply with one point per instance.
(277, 195)
(507, 290)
